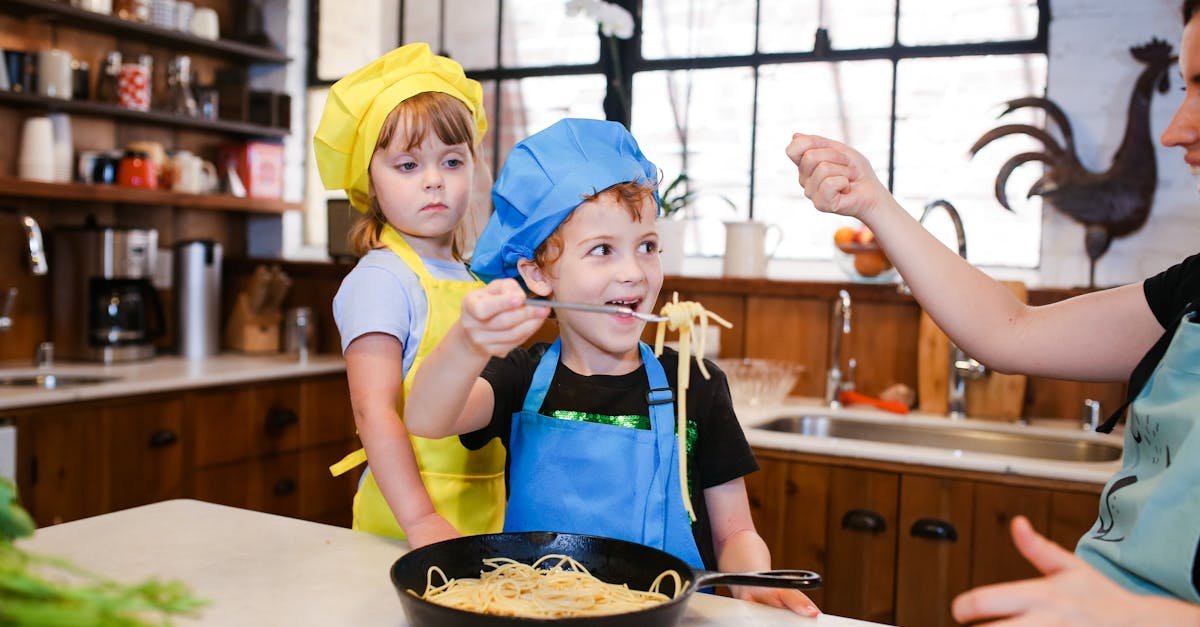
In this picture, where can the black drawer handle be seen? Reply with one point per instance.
(284, 487)
(279, 419)
(934, 529)
(864, 520)
(163, 438)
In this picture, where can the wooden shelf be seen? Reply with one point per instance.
(157, 118)
(21, 188)
(63, 13)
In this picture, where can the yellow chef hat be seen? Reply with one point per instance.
(360, 102)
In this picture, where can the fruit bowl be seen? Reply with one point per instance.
(759, 381)
(865, 264)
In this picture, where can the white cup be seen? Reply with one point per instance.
(5, 84)
(193, 175)
(205, 24)
(54, 73)
(746, 251)
(36, 160)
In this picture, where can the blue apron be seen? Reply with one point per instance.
(599, 479)
(1147, 537)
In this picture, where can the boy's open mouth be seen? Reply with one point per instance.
(632, 303)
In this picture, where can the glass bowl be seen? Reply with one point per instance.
(851, 264)
(759, 381)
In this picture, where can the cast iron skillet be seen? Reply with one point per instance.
(614, 561)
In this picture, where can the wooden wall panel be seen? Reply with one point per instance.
(793, 330)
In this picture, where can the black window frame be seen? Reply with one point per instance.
(619, 108)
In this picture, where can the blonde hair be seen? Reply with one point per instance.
(631, 195)
(411, 122)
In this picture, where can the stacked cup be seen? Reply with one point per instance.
(36, 160)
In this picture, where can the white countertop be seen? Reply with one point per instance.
(1088, 472)
(160, 374)
(261, 569)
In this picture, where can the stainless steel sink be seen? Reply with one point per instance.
(51, 380)
(950, 437)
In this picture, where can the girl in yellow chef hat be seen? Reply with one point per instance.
(400, 136)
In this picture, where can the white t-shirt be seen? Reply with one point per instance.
(383, 295)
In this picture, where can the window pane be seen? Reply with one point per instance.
(697, 28)
(529, 105)
(791, 25)
(539, 32)
(470, 30)
(716, 125)
(925, 22)
(849, 102)
(348, 40)
(936, 126)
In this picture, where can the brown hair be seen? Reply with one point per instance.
(1189, 9)
(632, 196)
(411, 122)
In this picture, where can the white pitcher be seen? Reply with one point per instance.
(194, 175)
(746, 251)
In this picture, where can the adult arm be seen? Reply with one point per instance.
(1099, 336)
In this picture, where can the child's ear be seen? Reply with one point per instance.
(535, 279)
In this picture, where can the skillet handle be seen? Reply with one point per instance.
(794, 579)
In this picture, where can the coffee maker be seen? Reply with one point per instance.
(104, 306)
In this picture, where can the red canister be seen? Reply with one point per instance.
(136, 170)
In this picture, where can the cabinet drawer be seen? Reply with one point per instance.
(145, 452)
(327, 416)
(231, 424)
(323, 497)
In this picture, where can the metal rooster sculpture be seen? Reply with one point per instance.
(1110, 204)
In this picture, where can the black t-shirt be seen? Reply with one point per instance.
(719, 454)
(1170, 294)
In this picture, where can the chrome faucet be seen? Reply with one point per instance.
(962, 367)
(835, 380)
(36, 249)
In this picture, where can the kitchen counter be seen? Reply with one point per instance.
(261, 569)
(1086, 472)
(160, 374)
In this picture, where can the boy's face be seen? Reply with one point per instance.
(607, 258)
(1184, 129)
(423, 192)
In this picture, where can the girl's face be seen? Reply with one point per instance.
(1184, 129)
(423, 192)
(607, 258)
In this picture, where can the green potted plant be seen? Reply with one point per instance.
(672, 202)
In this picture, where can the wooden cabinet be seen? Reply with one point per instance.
(895, 543)
(265, 446)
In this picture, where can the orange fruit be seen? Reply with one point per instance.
(866, 237)
(870, 263)
(844, 238)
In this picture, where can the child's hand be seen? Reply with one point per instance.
(495, 319)
(837, 178)
(785, 598)
(430, 529)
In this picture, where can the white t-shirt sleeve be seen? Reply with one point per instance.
(372, 300)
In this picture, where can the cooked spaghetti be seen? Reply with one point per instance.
(555, 586)
(682, 317)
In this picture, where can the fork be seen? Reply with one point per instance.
(608, 309)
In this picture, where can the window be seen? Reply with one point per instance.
(716, 88)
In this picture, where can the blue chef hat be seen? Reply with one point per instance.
(544, 178)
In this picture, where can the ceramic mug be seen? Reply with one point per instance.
(746, 251)
(133, 87)
(193, 175)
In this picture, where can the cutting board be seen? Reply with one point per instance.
(994, 397)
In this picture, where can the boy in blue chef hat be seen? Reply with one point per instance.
(588, 420)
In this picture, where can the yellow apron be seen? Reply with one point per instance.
(467, 487)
